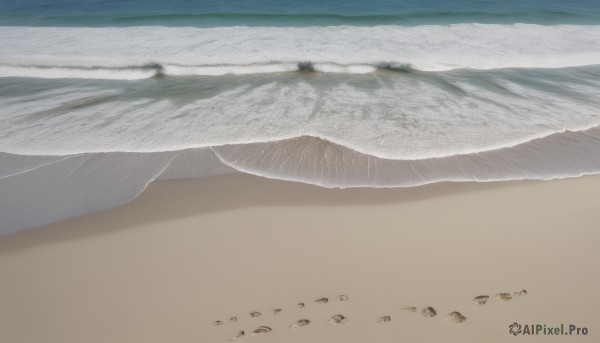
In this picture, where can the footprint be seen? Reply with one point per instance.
(343, 297)
(239, 336)
(384, 319)
(428, 312)
(255, 314)
(217, 323)
(299, 324)
(261, 330)
(276, 311)
(300, 305)
(410, 309)
(520, 293)
(504, 296)
(337, 320)
(233, 319)
(481, 300)
(455, 317)
(322, 301)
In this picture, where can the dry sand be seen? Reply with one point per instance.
(186, 253)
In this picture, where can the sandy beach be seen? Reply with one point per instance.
(259, 171)
(187, 253)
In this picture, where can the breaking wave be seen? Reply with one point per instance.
(110, 52)
(158, 71)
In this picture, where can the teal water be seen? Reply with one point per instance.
(209, 13)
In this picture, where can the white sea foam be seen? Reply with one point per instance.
(75, 73)
(146, 72)
(216, 70)
(388, 116)
(217, 51)
(344, 69)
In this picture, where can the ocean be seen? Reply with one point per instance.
(100, 98)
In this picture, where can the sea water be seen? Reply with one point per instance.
(100, 98)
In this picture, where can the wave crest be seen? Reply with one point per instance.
(157, 70)
(197, 50)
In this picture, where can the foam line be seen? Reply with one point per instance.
(76, 73)
(11, 165)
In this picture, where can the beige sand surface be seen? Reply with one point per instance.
(189, 252)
